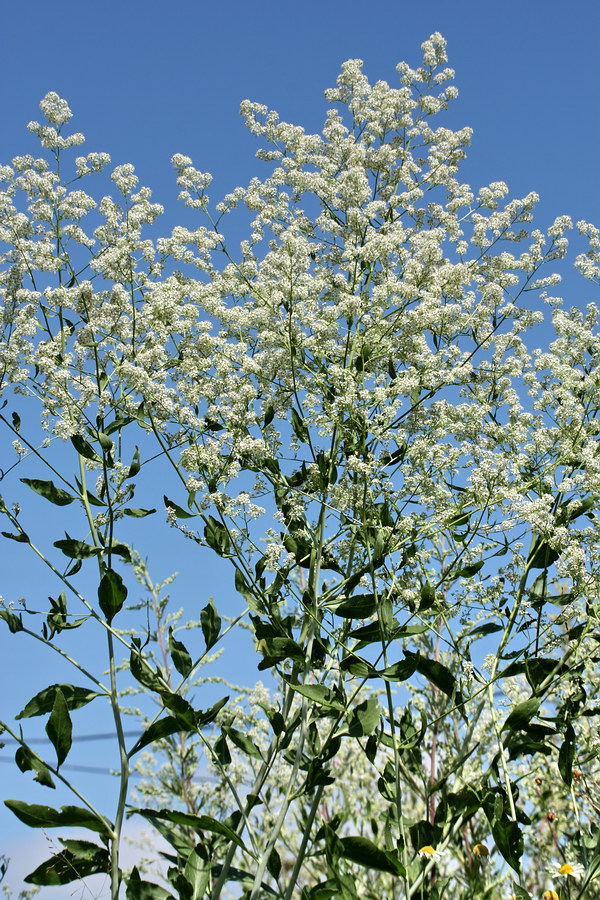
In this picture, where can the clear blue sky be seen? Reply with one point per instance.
(146, 80)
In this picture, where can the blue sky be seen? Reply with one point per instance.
(149, 80)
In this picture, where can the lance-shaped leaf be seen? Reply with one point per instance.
(177, 510)
(28, 761)
(38, 815)
(438, 674)
(197, 872)
(196, 823)
(77, 549)
(112, 594)
(299, 427)
(179, 654)
(20, 538)
(365, 853)
(211, 624)
(243, 742)
(158, 730)
(216, 536)
(184, 711)
(135, 464)
(143, 672)
(400, 671)
(566, 755)
(137, 513)
(42, 703)
(320, 694)
(84, 448)
(78, 860)
(360, 606)
(137, 889)
(522, 713)
(59, 728)
(364, 718)
(49, 490)
(509, 841)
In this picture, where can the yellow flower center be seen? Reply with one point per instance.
(427, 851)
(549, 895)
(481, 850)
(566, 869)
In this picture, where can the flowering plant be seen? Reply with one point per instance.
(363, 427)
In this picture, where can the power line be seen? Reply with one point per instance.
(80, 737)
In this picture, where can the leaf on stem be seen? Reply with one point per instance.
(211, 624)
(59, 728)
(49, 491)
(38, 815)
(78, 860)
(112, 594)
(75, 697)
(179, 654)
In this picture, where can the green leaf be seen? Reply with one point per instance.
(242, 742)
(160, 729)
(197, 872)
(14, 622)
(364, 718)
(144, 673)
(471, 569)
(522, 713)
(274, 864)
(21, 538)
(216, 536)
(84, 448)
(179, 654)
(362, 851)
(105, 442)
(542, 555)
(360, 606)
(135, 465)
(400, 671)
(211, 624)
(184, 711)
(112, 594)
(16, 420)
(205, 717)
(566, 755)
(78, 860)
(48, 490)
(519, 892)
(320, 694)
(438, 674)
(178, 511)
(481, 630)
(28, 761)
(196, 823)
(299, 427)
(59, 728)
(509, 841)
(77, 549)
(144, 890)
(427, 596)
(41, 816)
(137, 513)
(42, 703)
